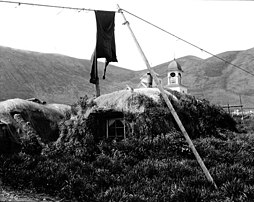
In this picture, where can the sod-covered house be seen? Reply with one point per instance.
(9, 141)
(111, 112)
(143, 112)
(20, 118)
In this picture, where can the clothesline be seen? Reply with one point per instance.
(187, 42)
(49, 6)
(120, 10)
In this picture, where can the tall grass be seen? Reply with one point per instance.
(161, 168)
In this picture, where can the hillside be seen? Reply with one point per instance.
(63, 79)
(217, 81)
(52, 77)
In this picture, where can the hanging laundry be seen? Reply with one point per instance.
(105, 42)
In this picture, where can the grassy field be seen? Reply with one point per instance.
(139, 168)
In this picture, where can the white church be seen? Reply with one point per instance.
(174, 78)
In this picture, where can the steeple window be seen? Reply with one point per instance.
(172, 74)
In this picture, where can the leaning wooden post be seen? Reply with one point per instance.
(97, 88)
(228, 108)
(241, 104)
(170, 106)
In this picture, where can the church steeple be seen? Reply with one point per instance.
(174, 73)
(175, 77)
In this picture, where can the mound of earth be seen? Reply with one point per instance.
(19, 118)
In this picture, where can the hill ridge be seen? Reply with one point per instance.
(63, 79)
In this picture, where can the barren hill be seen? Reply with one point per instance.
(52, 77)
(63, 79)
(217, 81)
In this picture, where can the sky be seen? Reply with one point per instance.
(215, 26)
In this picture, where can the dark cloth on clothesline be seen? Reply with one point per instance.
(105, 42)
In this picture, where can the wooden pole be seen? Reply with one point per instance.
(228, 108)
(241, 106)
(170, 106)
(97, 84)
(97, 88)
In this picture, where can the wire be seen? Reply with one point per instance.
(216, 56)
(50, 6)
(46, 5)
(82, 9)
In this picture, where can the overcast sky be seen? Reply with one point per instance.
(215, 26)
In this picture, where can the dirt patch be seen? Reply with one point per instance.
(7, 194)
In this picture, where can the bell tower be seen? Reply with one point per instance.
(175, 73)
